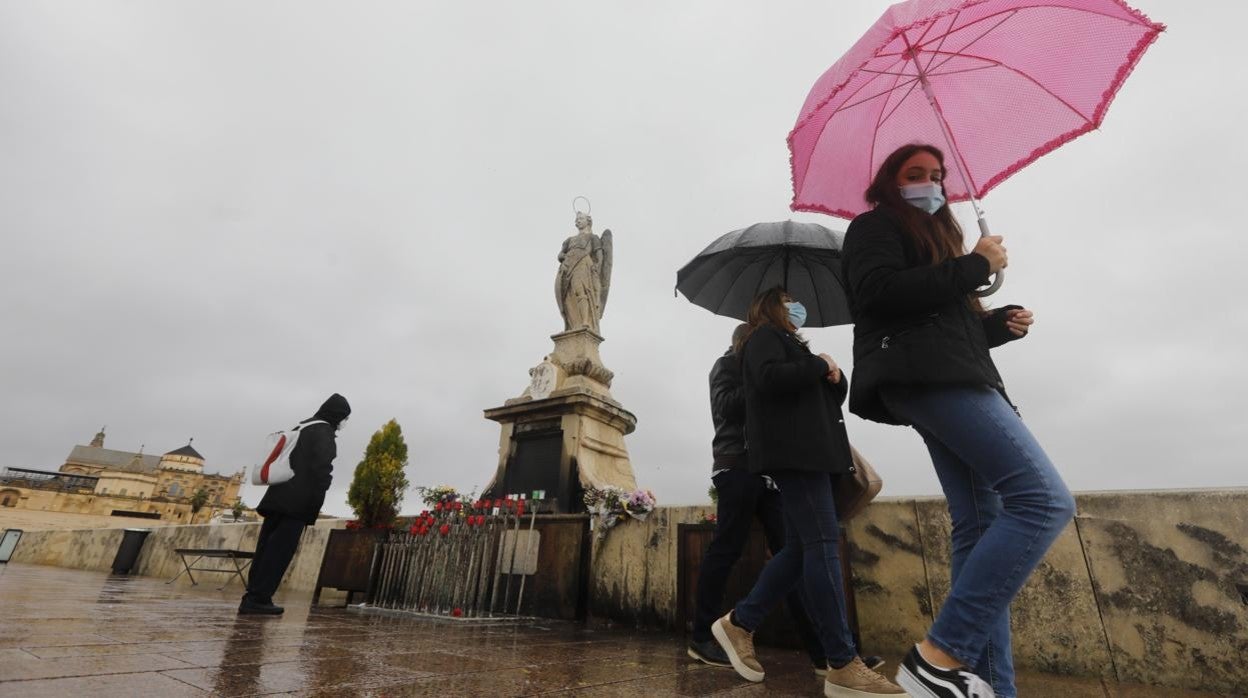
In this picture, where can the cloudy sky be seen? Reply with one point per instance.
(216, 214)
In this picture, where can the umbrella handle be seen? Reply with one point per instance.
(1000, 276)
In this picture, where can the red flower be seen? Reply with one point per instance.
(437, 507)
(424, 513)
(459, 506)
(445, 529)
(457, 612)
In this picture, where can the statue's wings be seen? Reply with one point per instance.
(605, 273)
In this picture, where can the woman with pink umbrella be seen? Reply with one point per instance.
(1000, 83)
(921, 341)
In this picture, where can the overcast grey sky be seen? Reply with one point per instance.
(216, 214)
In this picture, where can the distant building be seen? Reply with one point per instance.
(98, 480)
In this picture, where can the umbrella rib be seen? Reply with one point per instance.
(824, 126)
(1037, 6)
(952, 54)
(964, 70)
(894, 111)
(928, 67)
(730, 268)
(1008, 15)
(814, 290)
(967, 178)
(862, 87)
(885, 72)
(879, 119)
(926, 29)
(1041, 5)
(840, 109)
(1034, 81)
(758, 287)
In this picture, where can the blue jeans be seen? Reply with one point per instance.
(809, 556)
(1008, 504)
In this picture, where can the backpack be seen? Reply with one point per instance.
(276, 468)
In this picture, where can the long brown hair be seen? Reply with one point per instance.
(937, 236)
(767, 309)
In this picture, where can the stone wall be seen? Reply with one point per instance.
(104, 504)
(95, 549)
(1147, 587)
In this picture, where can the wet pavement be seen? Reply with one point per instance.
(70, 633)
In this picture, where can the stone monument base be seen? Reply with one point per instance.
(565, 432)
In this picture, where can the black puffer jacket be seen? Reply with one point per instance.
(727, 412)
(913, 324)
(312, 460)
(793, 418)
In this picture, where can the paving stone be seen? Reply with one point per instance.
(107, 636)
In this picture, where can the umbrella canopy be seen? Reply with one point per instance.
(1000, 82)
(803, 257)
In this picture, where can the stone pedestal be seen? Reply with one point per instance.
(565, 432)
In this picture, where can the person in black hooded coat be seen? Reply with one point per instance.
(289, 507)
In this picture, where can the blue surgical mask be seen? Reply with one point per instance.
(927, 196)
(797, 313)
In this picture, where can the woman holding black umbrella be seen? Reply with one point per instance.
(921, 341)
(796, 435)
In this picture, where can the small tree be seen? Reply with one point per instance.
(237, 509)
(198, 500)
(379, 483)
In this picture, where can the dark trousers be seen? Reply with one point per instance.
(279, 539)
(742, 496)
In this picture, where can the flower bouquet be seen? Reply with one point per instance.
(639, 504)
(606, 506)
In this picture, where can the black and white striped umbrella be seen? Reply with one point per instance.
(805, 258)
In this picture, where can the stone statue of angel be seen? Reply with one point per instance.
(584, 276)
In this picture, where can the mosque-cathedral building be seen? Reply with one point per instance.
(103, 481)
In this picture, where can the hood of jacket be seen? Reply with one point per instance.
(334, 410)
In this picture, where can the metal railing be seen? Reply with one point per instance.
(459, 562)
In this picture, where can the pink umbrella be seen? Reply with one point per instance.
(999, 82)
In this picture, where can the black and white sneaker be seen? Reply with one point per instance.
(709, 652)
(923, 680)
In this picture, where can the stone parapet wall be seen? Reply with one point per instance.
(79, 502)
(1147, 587)
(95, 549)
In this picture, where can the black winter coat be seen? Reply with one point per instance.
(793, 418)
(312, 460)
(912, 322)
(727, 412)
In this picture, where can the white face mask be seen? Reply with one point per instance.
(927, 196)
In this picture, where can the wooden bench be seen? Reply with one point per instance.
(234, 556)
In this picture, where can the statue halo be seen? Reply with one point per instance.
(588, 206)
